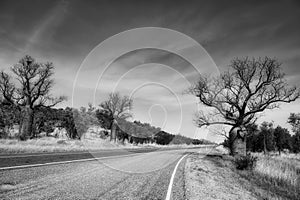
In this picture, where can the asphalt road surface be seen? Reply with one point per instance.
(132, 175)
(7, 160)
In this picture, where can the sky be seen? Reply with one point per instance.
(98, 47)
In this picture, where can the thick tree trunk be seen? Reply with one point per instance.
(113, 131)
(231, 139)
(237, 141)
(265, 144)
(26, 125)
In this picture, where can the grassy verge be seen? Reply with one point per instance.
(49, 144)
(278, 175)
(212, 176)
(273, 177)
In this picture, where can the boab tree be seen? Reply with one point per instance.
(29, 90)
(236, 96)
(116, 107)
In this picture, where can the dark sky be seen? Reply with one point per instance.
(64, 32)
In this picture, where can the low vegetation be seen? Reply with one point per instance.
(245, 162)
(67, 130)
(274, 162)
(272, 177)
(50, 144)
(279, 169)
(279, 174)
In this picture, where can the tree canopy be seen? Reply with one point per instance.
(29, 88)
(249, 87)
(115, 108)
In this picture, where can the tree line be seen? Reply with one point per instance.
(266, 137)
(26, 100)
(78, 121)
(234, 98)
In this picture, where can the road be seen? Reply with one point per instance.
(135, 175)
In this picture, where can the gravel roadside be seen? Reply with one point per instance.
(211, 177)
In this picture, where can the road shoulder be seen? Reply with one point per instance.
(213, 177)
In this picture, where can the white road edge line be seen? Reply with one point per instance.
(63, 162)
(71, 161)
(70, 153)
(42, 154)
(168, 197)
(54, 154)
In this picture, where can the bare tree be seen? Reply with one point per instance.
(236, 97)
(29, 90)
(119, 108)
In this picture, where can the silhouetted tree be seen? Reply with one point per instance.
(267, 132)
(236, 96)
(296, 142)
(46, 119)
(163, 138)
(180, 139)
(294, 120)
(84, 118)
(282, 139)
(30, 90)
(105, 118)
(117, 107)
(252, 137)
(9, 115)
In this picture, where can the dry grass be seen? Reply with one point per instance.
(49, 144)
(52, 145)
(279, 175)
(279, 170)
(274, 177)
(214, 177)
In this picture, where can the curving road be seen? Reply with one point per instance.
(136, 175)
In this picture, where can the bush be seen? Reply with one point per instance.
(104, 134)
(245, 162)
(61, 142)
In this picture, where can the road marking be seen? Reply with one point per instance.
(82, 152)
(22, 155)
(43, 154)
(64, 162)
(168, 197)
(62, 153)
(71, 161)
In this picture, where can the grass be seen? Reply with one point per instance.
(49, 144)
(279, 170)
(277, 174)
(273, 177)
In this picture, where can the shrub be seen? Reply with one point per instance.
(104, 134)
(61, 142)
(245, 162)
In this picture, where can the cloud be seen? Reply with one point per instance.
(65, 33)
(44, 31)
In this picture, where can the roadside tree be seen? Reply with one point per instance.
(29, 89)
(117, 107)
(237, 96)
